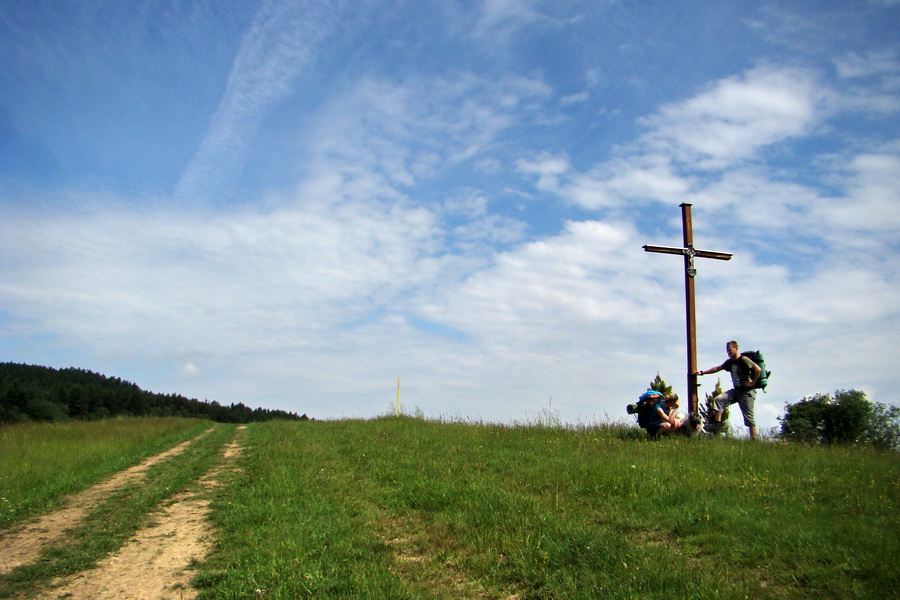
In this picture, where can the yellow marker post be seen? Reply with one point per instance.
(397, 410)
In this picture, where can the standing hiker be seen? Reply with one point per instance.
(744, 373)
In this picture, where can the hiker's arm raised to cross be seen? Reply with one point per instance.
(713, 370)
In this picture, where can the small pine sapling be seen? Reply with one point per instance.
(707, 410)
(660, 385)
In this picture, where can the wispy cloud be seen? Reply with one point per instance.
(872, 204)
(738, 117)
(408, 132)
(500, 17)
(237, 281)
(690, 143)
(283, 41)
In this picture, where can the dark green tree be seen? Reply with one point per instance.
(884, 427)
(804, 420)
(845, 417)
(34, 393)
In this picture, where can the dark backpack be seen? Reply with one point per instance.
(646, 406)
(757, 357)
(645, 412)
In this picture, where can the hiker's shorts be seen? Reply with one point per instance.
(745, 399)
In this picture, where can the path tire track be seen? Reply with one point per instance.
(155, 563)
(23, 544)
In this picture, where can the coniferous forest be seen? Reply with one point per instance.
(35, 393)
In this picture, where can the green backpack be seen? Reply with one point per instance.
(757, 357)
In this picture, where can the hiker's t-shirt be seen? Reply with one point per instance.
(657, 418)
(741, 370)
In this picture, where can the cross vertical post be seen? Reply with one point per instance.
(690, 271)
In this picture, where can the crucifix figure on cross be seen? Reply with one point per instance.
(690, 271)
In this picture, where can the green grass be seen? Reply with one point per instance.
(410, 509)
(115, 520)
(41, 463)
(403, 508)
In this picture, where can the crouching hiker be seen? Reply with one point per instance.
(744, 374)
(664, 417)
(645, 407)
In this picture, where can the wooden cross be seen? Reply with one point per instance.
(690, 271)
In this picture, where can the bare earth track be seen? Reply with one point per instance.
(152, 565)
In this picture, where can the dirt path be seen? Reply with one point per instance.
(23, 544)
(154, 564)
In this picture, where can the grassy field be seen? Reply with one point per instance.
(40, 463)
(116, 518)
(405, 508)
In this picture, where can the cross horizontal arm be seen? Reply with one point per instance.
(712, 254)
(664, 249)
(683, 251)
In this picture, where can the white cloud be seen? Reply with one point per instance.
(188, 370)
(470, 203)
(578, 98)
(548, 169)
(649, 178)
(871, 80)
(235, 282)
(737, 117)
(719, 130)
(873, 200)
(855, 65)
(492, 230)
(501, 17)
(762, 204)
(544, 288)
(408, 132)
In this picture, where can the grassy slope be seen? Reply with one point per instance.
(410, 509)
(114, 520)
(41, 463)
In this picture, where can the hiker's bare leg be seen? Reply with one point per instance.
(752, 433)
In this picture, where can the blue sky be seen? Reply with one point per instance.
(292, 204)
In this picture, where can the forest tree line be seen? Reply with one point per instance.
(35, 393)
